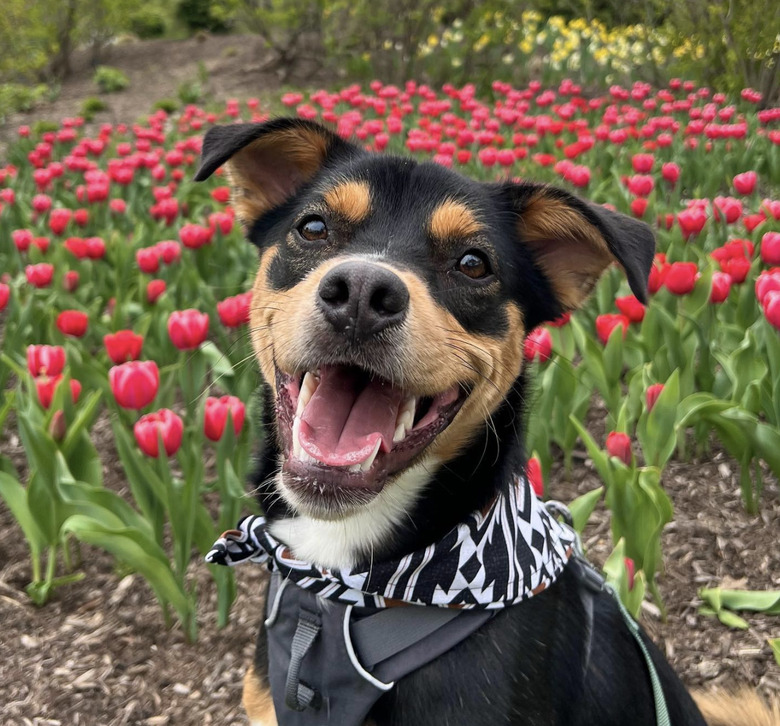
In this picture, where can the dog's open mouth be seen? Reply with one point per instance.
(345, 432)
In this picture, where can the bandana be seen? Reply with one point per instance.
(498, 557)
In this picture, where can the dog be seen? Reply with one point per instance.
(388, 318)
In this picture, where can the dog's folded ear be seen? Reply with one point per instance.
(573, 241)
(268, 163)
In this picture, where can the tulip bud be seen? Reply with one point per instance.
(533, 470)
(187, 328)
(58, 426)
(163, 424)
(134, 384)
(630, 571)
(72, 322)
(651, 395)
(619, 445)
(216, 414)
(538, 344)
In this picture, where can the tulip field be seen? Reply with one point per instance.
(124, 305)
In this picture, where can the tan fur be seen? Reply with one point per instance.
(433, 352)
(570, 250)
(743, 708)
(453, 220)
(257, 700)
(305, 150)
(351, 200)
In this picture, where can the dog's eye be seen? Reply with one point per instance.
(474, 264)
(313, 229)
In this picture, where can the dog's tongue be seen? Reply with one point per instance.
(346, 416)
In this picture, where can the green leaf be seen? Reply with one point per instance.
(582, 507)
(774, 644)
(136, 550)
(218, 361)
(732, 620)
(15, 496)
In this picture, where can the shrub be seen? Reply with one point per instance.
(110, 80)
(202, 15)
(169, 105)
(15, 97)
(91, 106)
(148, 22)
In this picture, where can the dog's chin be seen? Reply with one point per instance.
(346, 435)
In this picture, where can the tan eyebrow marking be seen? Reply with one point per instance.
(453, 219)
(350, 199)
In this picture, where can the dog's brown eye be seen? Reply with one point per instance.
(474, 265)
(313, 229)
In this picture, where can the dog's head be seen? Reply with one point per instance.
(392, 300)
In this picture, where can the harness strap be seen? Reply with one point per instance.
(388, 632)
(298, 696)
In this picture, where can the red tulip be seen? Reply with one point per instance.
(751, 221)
(631, 308)
(45, 386)
(767, 282)
(221, 195)
(187, 328)
(96, 248)
(81, 217)
(652, 393)
(148, 259)
(736, 268)
(22, 239)
(681, 277)
(195, 236)
(533, 471)
(124, 345)
(639, 207)
(642, 163)
(72, 322)
(641, 185)
(606, 323)
(538, 344)
(745, 183)
(727, 208)
(234, 311)
(134, 384)
(721, 286)
(70, 281)
(59, 219)
(5, 296)
(45, 360)
(41, 203)
(117, 206)
(691, 221)
(771, 306)
(169, 251)
(670, 172)
(163, 424)
(630, 571)
(76, 246)
(770, 248)
(154, 288)
(657, 274)
(216, 415)
(619, 445)
(39, 275)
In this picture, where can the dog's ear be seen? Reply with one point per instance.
(267, 163)
(573, 241)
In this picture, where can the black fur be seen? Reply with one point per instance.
(530, 665)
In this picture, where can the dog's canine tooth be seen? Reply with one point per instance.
(406, 413)
(354, 469)
(400, 433)
(308, 386)
(296, 428)
(366, 465)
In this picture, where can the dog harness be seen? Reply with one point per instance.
(339, 639)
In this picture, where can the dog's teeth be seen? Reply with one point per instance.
(308, 386)
(296, 429)
(400, 433)
(406, 413)
(354, 469)
(366, 465)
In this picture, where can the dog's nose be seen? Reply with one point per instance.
(361, 299)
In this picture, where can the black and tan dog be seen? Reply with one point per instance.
(388, 318)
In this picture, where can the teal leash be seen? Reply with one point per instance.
(661, 712)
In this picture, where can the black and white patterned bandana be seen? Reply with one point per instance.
(499, 557)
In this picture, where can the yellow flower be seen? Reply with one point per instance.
(433, 41)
